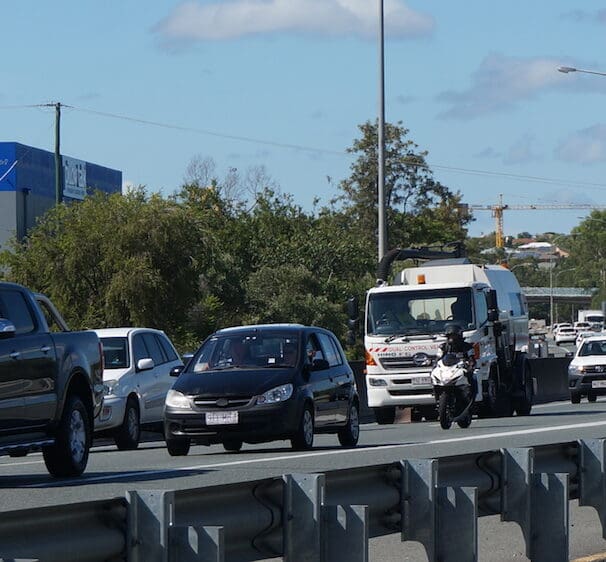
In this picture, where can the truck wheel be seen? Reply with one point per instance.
(575, 397)
(127, 436)
(385, 415)
(68, 456)
(349, 435)
(592, 397)
(430, 413)
(178, 447)
(303, 439)
(232, 445)
(416, 415)
(523, 404)
(499, 399)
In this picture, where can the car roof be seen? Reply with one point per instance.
(123, 332)
(291, 327)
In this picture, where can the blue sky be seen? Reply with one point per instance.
(284, 84)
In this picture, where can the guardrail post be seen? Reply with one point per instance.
(303, 499)
(592, 477)
(346, 536)
(417, 503)
(457, 524)
(150, 514)
(196, 544)
(536, 502)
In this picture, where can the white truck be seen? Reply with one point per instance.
(594, 317)
(405, 324)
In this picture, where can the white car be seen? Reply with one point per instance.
(582, 327)
(582, 335)
(587, 370)
(565, 334)
(136, 379)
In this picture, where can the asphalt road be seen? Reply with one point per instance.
(24, 482)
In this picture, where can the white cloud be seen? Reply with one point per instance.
(521, 152)
(501, 82)
(228, 19)
(586, 146)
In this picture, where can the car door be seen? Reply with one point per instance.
(157, 377)
(29, 364)
(340, 379)
(144, 378)
(319, 382)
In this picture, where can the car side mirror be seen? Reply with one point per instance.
(319, 365)
(569, 355)
(7, 329)
(145, 364)
(176, 371)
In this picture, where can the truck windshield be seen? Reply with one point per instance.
(410, 313)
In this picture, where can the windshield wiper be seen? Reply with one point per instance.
(395, 336)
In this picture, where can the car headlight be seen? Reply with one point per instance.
(377, 382)
(176, 399)
(278, 394)
(576, 370)
(109, 387)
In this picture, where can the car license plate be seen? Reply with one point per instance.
(598, 384)
(421, 380)
(221, 418)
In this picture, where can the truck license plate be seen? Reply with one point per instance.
(421, 380)
(598, 384)
(221, 418)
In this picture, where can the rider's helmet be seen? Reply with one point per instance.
(453, 332)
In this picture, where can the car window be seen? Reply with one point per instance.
(592, 348)
(330, 352)
(14, 307)
(139, 348)
(170, 353)
(155, 351)
(313, 349)
(115, 353)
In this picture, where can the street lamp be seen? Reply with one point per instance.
(381, 140)
(567, 69)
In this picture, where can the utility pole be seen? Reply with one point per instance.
(58, 167)
(381, 139)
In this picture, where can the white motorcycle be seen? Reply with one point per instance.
(453, 392)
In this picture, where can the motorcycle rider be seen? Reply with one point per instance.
(456, 344)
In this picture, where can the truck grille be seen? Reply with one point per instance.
(601, 369)
(399, 363)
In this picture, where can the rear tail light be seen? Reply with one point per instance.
(102, 356)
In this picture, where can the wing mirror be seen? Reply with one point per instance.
(145, 364)
(319, 365)
(7, 328)
(176, 371)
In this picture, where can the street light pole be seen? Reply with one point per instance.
(381, 140)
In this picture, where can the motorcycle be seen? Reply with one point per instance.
(453, 391)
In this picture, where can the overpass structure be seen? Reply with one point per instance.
(559, 295)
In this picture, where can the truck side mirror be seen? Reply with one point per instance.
(7, 329)
(353, 308)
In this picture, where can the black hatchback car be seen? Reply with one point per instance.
(263, 383)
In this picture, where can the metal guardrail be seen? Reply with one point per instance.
(329, 517)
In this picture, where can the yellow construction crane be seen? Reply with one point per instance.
(497, 213)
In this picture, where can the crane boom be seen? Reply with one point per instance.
(498, 208)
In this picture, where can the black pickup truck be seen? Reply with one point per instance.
(51, 382)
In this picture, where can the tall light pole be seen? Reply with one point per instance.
(381, 140)
(568, 69)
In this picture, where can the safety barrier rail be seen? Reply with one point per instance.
(329, 517)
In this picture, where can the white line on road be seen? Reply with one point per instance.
(359, 450)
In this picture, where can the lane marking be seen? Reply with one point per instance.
(600, 557)
(358, 450)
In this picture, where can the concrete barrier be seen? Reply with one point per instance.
(550, 373)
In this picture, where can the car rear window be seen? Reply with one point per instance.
(115, 353)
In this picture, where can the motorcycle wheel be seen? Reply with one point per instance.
(444, 410)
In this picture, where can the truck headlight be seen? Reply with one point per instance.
(372, 381)
(176, 399)
(574, 370)
(278, 394)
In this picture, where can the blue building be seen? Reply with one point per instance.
(27, 185)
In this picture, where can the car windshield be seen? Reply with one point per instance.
(115, 353)
(248, 351)
(593, 348)
(413, 313)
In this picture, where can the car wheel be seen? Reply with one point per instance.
(385, 415)
(178, 447)
(127, 436)
(232, 445)
(592, 397)
(349, 435)
(416, 415)
(575, 397)
(303, 440)
(69, 454)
